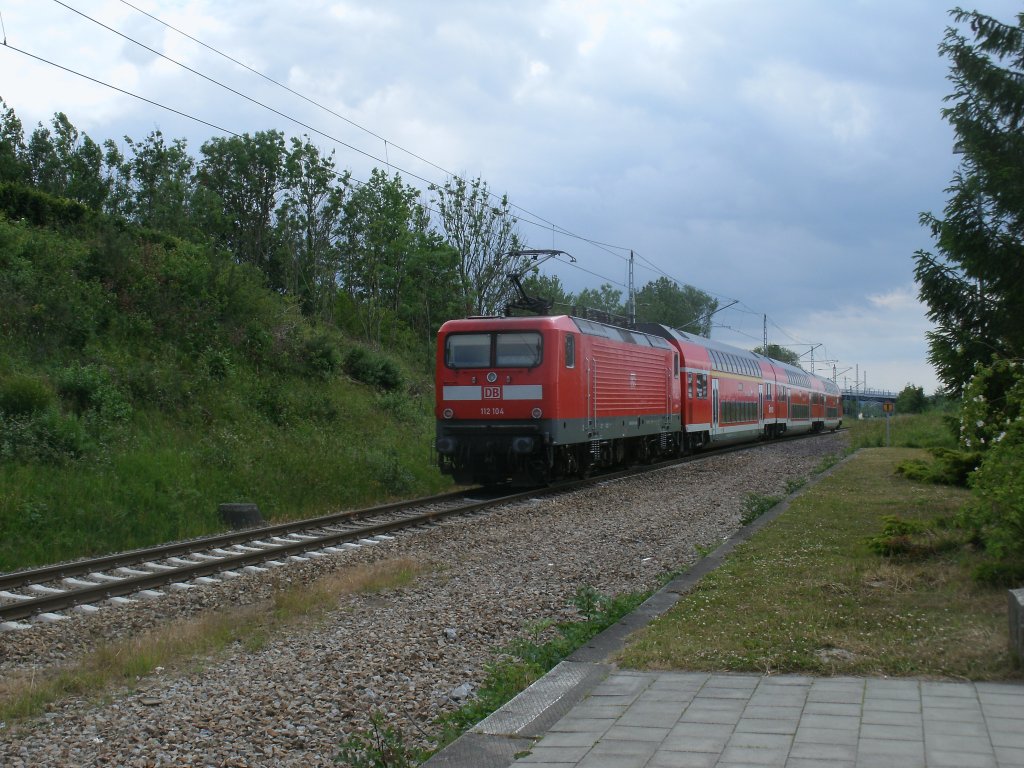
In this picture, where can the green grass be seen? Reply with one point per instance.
(807, 594)
(924, 430)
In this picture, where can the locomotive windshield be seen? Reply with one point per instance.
(493, 350)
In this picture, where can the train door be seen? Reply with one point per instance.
(760, 408)
(714, 406)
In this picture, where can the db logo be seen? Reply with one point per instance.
(492, 393)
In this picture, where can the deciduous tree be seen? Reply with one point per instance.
(482, 230)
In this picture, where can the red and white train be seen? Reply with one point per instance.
(529, 399)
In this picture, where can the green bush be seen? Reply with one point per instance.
(89, 389)
(948, 467)
(373, 369)
(321, 356)
(46, 438)
(24, 395)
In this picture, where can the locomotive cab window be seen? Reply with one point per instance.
(468, 350)
(493, 350)
(517, 350)
(570, 351)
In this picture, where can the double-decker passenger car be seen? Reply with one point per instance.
(529, 399)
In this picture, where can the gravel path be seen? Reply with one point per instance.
(403, 652)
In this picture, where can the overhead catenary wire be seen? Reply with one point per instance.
(525, 216)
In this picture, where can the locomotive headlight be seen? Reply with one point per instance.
(536, 413)
(447, 413)
(445, 445)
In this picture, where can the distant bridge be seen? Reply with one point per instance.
(870, 395)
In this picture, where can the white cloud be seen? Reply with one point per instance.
(807, 103)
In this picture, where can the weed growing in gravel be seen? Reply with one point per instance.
(755, 505)
(379, 746)
(525, 660)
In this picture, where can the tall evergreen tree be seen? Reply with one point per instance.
(974, 283)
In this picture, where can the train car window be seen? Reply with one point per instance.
(675, 364)
(517, 350)
(767, 391)
(467, 350)
(570, 351)
(689, 384)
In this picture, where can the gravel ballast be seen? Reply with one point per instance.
(409, 653)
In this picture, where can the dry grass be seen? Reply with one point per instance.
(188, 642)
(808, 595)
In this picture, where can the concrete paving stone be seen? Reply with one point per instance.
(893, 689)
(760, 740)
(892, 705)
(707, 715)
(545, 763)
(939, 688)
(589, 708)
(570, 739)
(808, 750)
(573, 722)
(943, 758)
(616, 685)
(709, 692)
(831, 708)
(810, 762)
(613, 761)
(943, 714)
(1009, 713)
(679, 741)
(980, 744)
(665, 696)
(1008, 739)
(1004, 698)
(669, 759)
(1009, 757)
(654, 714)
(1004, 724)
(725, 705)
(787, 680)
(546, 755)
(930, 701)
(889, 761)
(997, 687)
(766, 725)
(832, 722)
(746, 682)
(753, 756)
(795, 698)
(952, 728)
(812, 735)
(901, 732)
(636, 733)
(622, 748)
(837, 695)
(876, 717)
(762, 712)
(890, 747)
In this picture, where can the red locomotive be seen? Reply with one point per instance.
(529, 399)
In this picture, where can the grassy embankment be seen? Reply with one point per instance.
(146, 379)
(808, 594)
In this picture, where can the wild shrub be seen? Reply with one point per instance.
(45, 437)
(901, 537)
(90, 390)
(373, 369)
(948, 467)
(321, 356)
(22, 395)
(992, 419)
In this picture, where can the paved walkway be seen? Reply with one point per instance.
(698, 720)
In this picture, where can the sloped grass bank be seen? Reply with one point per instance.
(809, 594)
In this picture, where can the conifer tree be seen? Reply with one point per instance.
(974, 282)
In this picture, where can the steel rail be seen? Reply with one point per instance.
(16, 579)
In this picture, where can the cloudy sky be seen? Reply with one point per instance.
(776, 154)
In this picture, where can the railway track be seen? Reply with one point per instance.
(41, 594)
